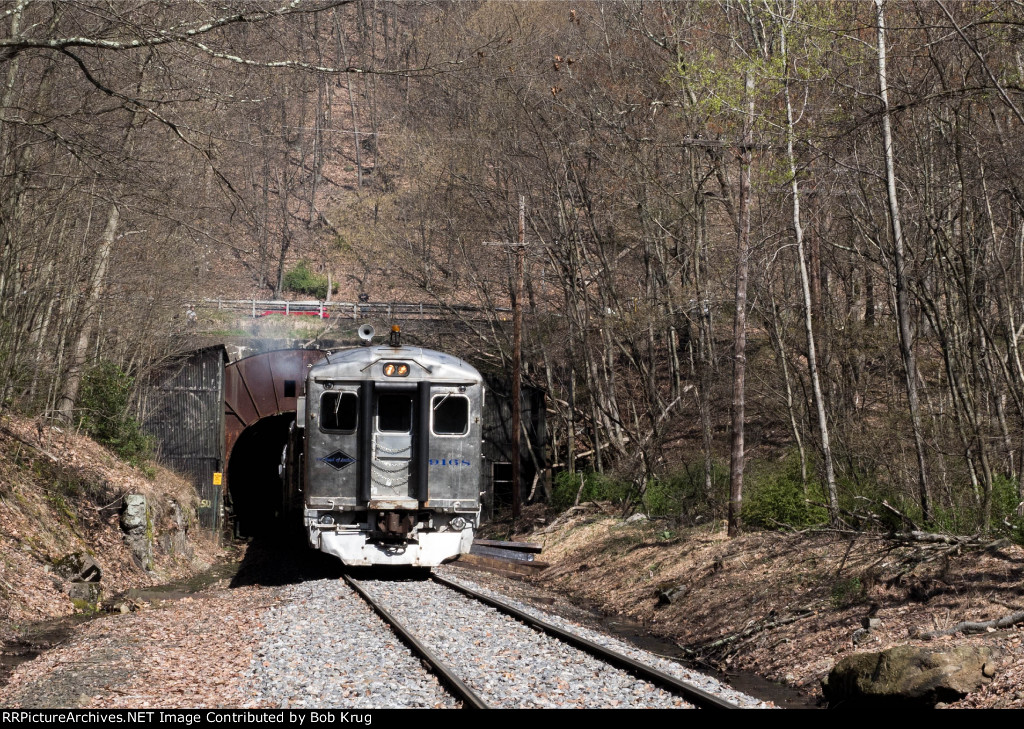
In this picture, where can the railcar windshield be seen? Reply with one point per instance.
(450, 415)
(339, 411)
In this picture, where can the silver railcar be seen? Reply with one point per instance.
(386, 455)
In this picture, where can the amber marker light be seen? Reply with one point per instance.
(396, 369)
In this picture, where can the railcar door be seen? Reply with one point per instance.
(392, 466)
(333, 437)
(454, 453)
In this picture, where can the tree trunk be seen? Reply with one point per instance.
(73, 380)
(739, 371)
(812, 357)
(902, 308)
(775, 327)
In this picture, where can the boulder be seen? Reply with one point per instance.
(78, 566)
(669, 593)
(85, 593)
(907, 675)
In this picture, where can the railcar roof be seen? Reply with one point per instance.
(353, 363)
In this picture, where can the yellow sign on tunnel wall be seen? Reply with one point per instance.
(218, 478)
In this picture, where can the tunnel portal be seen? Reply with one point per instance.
(256, 497)
(260, 394)
(214, 419)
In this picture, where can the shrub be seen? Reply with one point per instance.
(103, 404)
(775, 497)
(862, 490)
(682, 493)
(663, 497)
(302, 280)
(596, 487)
(966, 516)
(1005, 497)
(847, 592)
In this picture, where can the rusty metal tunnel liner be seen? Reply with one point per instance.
(260, 391)
(263, 385)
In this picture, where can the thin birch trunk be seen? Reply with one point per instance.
(902, 308)
(812, 357)
(780, 347)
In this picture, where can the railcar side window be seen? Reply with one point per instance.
(450, 415)
(339, 411)
(394, 413)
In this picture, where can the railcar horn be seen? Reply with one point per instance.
(366, 332)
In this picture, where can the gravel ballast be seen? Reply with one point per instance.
(326, 648)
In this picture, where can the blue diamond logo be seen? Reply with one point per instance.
(338, 460)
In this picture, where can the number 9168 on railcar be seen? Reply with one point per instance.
(385, 456)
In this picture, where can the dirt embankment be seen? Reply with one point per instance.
(61, 495)
(790, 606)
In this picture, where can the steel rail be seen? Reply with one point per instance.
(454, 684)
(696, 696)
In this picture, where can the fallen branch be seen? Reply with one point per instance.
(975, 541)
(754, 629)
(39, 449)
(970, 626)
(565, 516)
(575, 511)
(601, 507)
(933, 538)
(899, 514)
(668, 595)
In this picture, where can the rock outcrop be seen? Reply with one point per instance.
(137, 526)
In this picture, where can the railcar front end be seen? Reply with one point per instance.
(390, 456)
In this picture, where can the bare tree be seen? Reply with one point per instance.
(906, 335)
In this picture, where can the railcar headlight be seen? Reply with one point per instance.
(458, 523)
(326, 519)
(396, 369)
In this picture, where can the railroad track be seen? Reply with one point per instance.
(447, 676)
(514, 659)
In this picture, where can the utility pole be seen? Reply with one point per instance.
(517, 359)
(517, 353)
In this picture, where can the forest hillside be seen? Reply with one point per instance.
(773, 250)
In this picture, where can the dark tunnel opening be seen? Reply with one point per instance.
(255, 486)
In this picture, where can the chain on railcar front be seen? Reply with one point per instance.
(386, 455)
